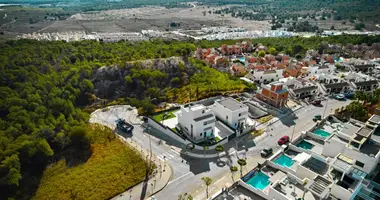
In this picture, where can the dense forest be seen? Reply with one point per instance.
(48, 87)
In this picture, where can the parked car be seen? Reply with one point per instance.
(317, 117)
(340, 97)
(283, 140)
(122, 125)
(315, 102)
(266, 152)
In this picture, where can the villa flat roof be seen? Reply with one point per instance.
(231, 104)
(305, 89)
(204, 117)
(366, 83)
(270, 72)
(349, 129)
(365, 132)
(196, 107)
(375, 119)
(336, 85)
(342, 165)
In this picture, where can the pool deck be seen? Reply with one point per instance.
(317, 147)
(294, 191)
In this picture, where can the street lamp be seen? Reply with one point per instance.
(324, 112)
(294, 128)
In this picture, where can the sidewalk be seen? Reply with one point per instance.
(226, 179)
(152, 185)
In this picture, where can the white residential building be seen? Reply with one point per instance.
(302, 88)
(231, 112)
(321, 69)
(265, 76)
(197, 121)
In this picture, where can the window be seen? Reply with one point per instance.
(261, 77)
(201, 134)
(239, 114)
(277, 75)
(227, 117)
(203, 111)
(235, 124)
(360, 164)
(205, 123)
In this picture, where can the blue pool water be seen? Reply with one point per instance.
(242, 60)
(259, 181)
(284, 161)
(322, 133)
(305, 145)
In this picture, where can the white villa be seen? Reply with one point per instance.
(232, 112)
(197, 121)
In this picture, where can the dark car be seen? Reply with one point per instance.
(315, 102)
(266, 152)
(317, 117)
(122, 125)
(283, 140)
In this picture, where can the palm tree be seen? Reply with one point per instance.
(185, 197)
(208, 182)
(242, 163)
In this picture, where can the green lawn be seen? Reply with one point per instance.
(112, 168)
(169, 115)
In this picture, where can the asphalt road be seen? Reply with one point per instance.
(187, 172)
(190, 181)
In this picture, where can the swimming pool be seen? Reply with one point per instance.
(322, 133)
(284, 161)
(305, 145)
(242, 60)
(259, 181)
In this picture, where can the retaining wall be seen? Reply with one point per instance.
(166, 130)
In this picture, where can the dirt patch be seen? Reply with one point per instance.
(151, 18)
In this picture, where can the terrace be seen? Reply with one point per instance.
(319, 186)
(237, 192)
(316, 165)
(293, 190)
(255, 112)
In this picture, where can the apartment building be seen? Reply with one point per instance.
(275, 94)
(302, 88)
(261, 75)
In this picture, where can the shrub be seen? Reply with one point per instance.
(233, 168)
(258, 132)
(219, 148)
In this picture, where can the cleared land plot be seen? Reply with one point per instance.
(112, 168)
(24, 20)
(152, 18)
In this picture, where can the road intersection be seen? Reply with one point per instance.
(187, 172)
